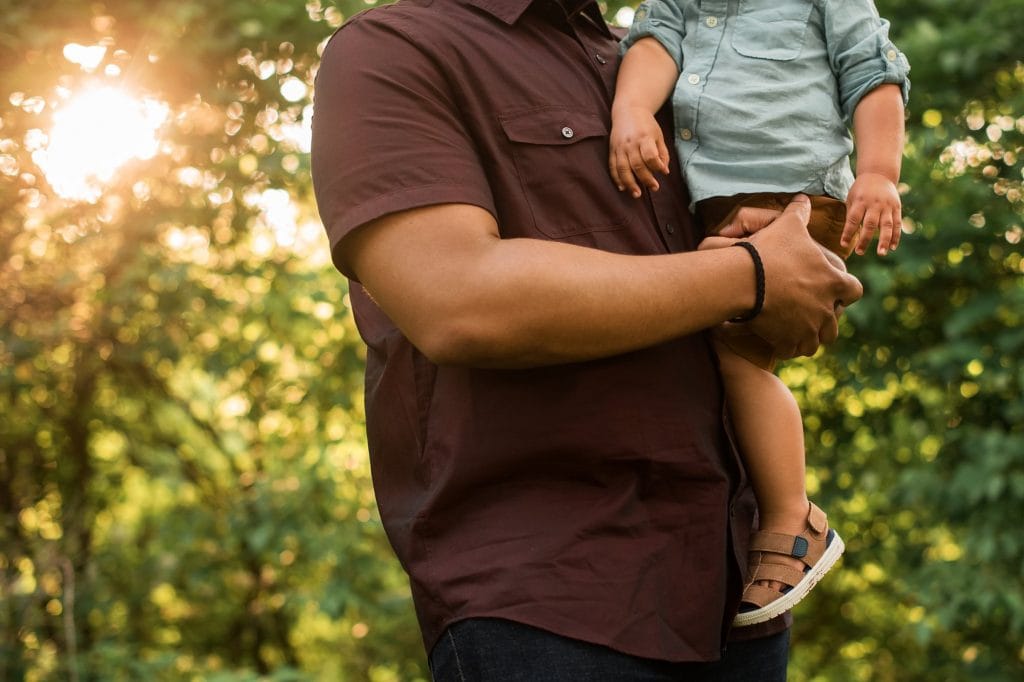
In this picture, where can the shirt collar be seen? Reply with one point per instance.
(509, 11)
(573, 7)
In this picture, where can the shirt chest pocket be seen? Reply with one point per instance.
(767, 29)
(561, 159)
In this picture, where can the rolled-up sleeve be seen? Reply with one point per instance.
(860, 51)
(413, 150)
(662, 21)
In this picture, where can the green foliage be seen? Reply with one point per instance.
(184, 491)
(182, 460)
(914, 419)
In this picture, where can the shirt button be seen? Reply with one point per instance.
(712, 22)
(600, 59)
(693, 79)
(891, 55)
(669, 228)
(686, 133)
(568, 132)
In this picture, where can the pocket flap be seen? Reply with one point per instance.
(551, 125)
(767, 30)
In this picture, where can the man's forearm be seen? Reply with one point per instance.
(878, 130)
(465, 296)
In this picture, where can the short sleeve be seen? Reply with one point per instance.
(662, 21)
(860, 51)
(387, 134)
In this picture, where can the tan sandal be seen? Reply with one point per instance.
(818, 547)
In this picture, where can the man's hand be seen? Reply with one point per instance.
(746, 220)
(636, 150)
(873, 205)
(806, 286)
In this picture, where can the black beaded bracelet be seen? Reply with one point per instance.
(758, 279)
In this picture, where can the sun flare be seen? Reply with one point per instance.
(95, 133)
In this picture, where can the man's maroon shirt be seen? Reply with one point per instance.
(598, 500)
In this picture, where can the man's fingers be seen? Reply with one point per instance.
(848, 289)
(715, 242)
(830, 331)
(808, 348)
(800, 206)
(748, 220)
(785, 352)
(833, 259)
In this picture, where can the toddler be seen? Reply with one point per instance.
(763, 93)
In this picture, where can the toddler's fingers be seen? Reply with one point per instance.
(624, 173)
(897, 228)
(871, 220)
(663, 155)
(643, 175)
(613, 169)
(652, 163)
(854, 215)
(885, 233)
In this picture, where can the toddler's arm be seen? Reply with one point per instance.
(874, 200)
(636, 147)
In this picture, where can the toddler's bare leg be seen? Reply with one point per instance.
(769, 429)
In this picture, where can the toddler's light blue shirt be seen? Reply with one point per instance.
(767, 88)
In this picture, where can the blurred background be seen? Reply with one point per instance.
(184, 490)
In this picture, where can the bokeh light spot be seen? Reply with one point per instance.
(293, 90)
(86, 56)
(94, 134)
(624, 17)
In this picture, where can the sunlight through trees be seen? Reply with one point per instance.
(184, 486)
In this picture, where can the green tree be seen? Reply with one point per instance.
(914, 420)
(182, 459)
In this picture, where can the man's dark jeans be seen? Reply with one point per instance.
(492, 650)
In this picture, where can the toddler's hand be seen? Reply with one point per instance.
(873, 202)
(636, 150)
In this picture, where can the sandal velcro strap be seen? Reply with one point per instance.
(779, 543)
(818, 547)
(817, 520)
(778, 572)
(807, 550)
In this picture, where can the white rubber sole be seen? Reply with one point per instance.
(799, 591)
